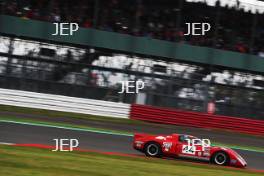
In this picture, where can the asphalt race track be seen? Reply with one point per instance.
(27, 134)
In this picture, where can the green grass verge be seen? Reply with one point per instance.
(21, 161)
(54, 114)
(114, 132)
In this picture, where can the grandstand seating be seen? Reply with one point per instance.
(156, 19)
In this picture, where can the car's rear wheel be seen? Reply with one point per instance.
(220, 158)
(153, 149)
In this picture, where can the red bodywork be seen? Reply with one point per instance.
(174, 146)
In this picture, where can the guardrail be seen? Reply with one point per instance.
(195, 119)
(63, 103)
(136, 112)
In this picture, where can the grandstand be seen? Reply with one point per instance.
(73, 69)
(164, 19)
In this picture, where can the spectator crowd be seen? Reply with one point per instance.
(232, 28)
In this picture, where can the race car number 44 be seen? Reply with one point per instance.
(188, 149)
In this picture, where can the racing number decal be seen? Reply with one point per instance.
(188, 149)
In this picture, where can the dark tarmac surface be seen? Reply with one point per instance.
(222, 136)
(22, 134)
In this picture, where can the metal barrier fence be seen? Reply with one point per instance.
(127, 111)
(63, 103)
(194, 119)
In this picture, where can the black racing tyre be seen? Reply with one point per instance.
(153, 149)
(220, 158)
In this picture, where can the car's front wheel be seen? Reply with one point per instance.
(220, 158)
(153, 149)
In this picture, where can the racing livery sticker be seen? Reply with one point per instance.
(167, 146)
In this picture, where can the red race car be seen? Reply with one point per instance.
(179, 145)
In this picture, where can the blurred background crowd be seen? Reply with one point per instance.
(159, 19)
